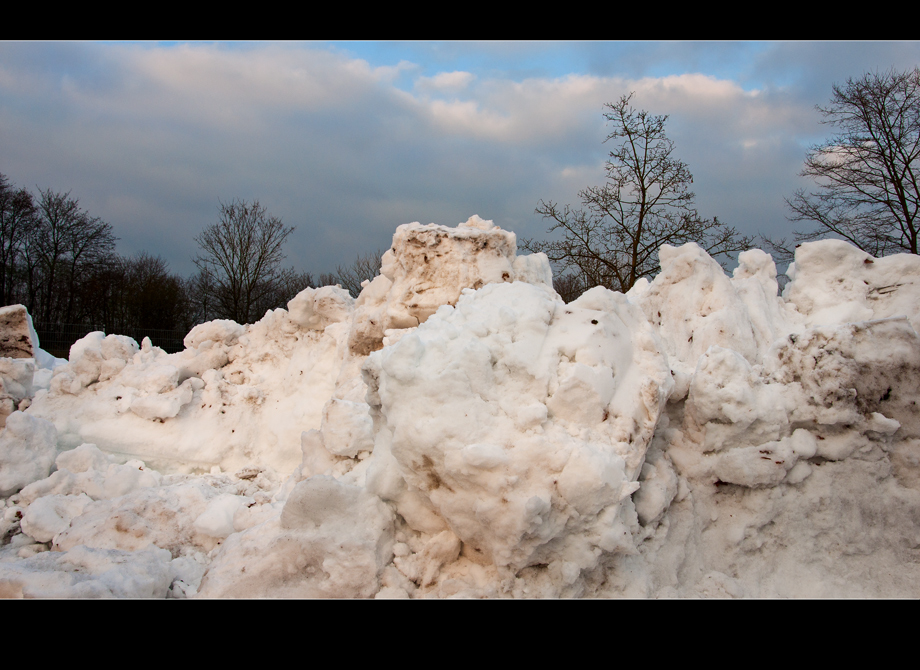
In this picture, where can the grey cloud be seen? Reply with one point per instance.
(151, 138)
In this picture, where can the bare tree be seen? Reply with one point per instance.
(127, 294)
(613, 239)
(365, 268)
(201, 290)
(17, 217)
(63, 243)
(327, 279)
(569, 286)
(155, 297)
(868, 173)
(241, 254)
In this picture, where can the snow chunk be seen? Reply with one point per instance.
(844, 374)
(16, 333)
(473, 415)
(833, 282)
(730, 405)
(93, 358)
(695, 306)
(217, 518)
(429, 266)
(755, 282)
(16, 376)
(27, 450)
(224, 331)
(166, 405)
(347, 428)
(85, 457)
(51, 515)
(86, 572)
(331, 540)
(316, 308)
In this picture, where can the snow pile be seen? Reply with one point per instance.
(236, 395)
(518, 423)
(458, 430)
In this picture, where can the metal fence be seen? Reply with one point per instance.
(57, 338)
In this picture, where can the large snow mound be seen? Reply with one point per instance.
(459, 431)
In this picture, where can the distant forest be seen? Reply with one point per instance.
(60, 262)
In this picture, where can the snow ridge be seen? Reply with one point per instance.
(459, 431)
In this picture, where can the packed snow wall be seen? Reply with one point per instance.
(459, 431)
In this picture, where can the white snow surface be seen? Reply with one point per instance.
(459, 431)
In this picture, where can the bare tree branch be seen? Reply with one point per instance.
(365, 268)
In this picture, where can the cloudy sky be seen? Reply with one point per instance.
(347, 140)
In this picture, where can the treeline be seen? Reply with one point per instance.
(60, 262)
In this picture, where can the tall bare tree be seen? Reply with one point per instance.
(63, 243)
(17, 217)
(868, 174)
(241, 255)
(613, 239)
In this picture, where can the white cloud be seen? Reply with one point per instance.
(445, 81)
(389, 73)
(208, 85)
